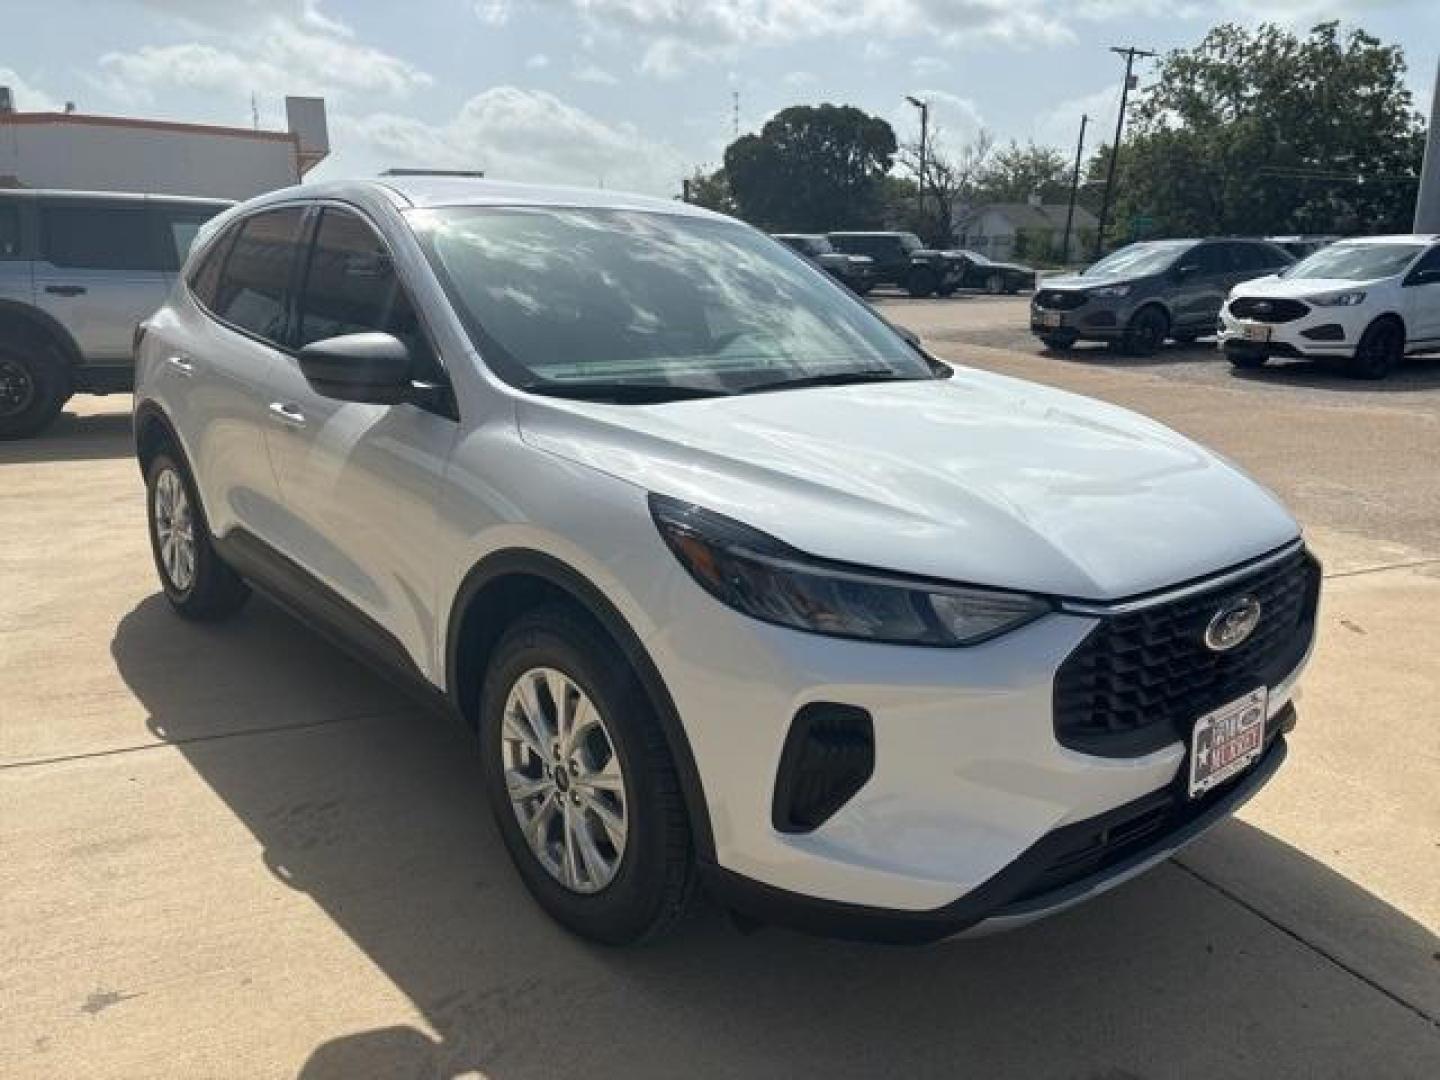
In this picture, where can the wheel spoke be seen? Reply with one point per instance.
(535, 711)
(572, 845)
(598, 870)
(612, 822)
(535, 826)
(606, 779)
(523, 788)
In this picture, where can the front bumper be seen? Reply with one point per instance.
(1321, 332)
(1067, 866)
(1092, 320)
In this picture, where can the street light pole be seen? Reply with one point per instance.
(924, 107)
(1130, 53)
(1074, 188)
(1427, 200)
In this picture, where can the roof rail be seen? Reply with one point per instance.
(469, 174)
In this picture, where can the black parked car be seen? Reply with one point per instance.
(994, 277)
(856, 271)
(901, 259)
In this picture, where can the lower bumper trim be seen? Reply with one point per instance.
(1042, 879)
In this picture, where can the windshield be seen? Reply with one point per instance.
(910, 242)
(1139, 260)
(1355, 262)
(975, 257)
(570, 300)
(818, 245)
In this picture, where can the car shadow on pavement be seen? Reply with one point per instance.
(1416, 374)
(372, 808)
(73, 437)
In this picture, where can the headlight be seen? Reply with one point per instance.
(760, 576)
(1110, 291)
(1338, 299)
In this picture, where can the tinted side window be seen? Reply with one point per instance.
(1208, 257)
(351, 287)
(1247, 257)
(178, 226)
(1427, 270)
(9, 230)
(254, 284)
(97, 237)
(205, 278)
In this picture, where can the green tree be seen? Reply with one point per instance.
(1262, 131)
(811, 169)
(1017, 172)
(710, 190)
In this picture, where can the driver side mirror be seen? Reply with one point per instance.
(938, 368)
(373, 368)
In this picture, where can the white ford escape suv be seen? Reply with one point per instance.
(735, 583)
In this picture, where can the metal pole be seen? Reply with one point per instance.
(924, 107)
(1074, 188)
(1427, 199)
(1130, 53)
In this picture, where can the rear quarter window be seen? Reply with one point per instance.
(98, 237)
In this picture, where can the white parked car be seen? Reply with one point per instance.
(734, 582)
(1368, 302)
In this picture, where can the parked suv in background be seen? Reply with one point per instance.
(78, 271)
(982, 272)
(1144, 293)
(856, 271)
(734, 581)
(1365, 302)
(902, 259)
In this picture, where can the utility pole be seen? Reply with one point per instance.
(924, 107)
(1427, 199)
(1130, 53)
(1074, 188)
(735, 112)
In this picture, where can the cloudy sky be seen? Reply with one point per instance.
(625, 93)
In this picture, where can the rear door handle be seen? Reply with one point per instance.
(65, 290)
(285, 413)
(182, 365)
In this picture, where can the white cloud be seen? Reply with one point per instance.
(683, 32)
(955, 120)
(1060, 125)
(593, 73)
(521, 135)
(493, 12)
(929, 66)
(538, 62)
(27, 96)
(799, 79)
(278, 55)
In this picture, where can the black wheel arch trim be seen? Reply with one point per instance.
(531, 563)
(46, 324)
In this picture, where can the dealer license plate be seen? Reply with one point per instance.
(1050, 318)
(1254, 332)
(1226, 741)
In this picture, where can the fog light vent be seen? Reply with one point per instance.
(828, 756)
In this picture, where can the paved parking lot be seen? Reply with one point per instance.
(232, 852)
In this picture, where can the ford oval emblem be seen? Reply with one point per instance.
(1233, 624)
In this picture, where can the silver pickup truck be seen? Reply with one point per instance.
(78, 271)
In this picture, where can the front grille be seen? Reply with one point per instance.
(1059, 299)
(1268, 310)
(1140, 680)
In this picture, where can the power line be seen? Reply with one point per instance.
(1130, 53)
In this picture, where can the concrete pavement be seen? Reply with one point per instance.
(232, 852)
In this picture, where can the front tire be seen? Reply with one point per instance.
(1380, 351)
(922, 283)
(33, 388)
(1248, 361)
(581, 782)
(1146, 332)
(197, 582)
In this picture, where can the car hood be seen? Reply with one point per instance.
(1275, 285)
(978, 478)
(1078, 281)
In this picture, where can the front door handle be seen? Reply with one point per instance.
(285, 413)
(65, 290)
(181, 365)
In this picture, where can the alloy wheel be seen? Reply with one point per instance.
(175, 530)
(17, 388)
(564, 780)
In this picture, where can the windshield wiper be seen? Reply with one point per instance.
(623, 393)
(833, 378)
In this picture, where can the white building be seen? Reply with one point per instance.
(113, 153)
(1023, 230)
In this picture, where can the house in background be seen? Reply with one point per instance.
(1028, 230)
(114, 153)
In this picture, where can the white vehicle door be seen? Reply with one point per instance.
(360, 481)
(1420, 298)
(99, 272)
